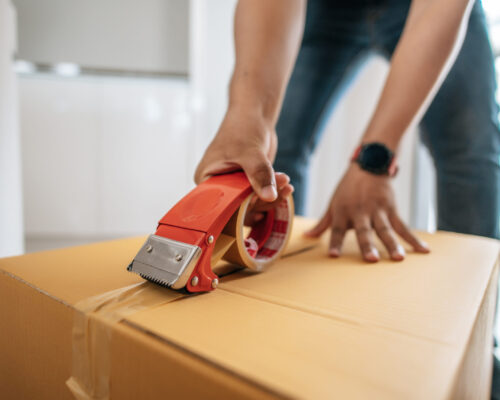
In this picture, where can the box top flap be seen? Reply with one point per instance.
(309, 325)
(299, 354)
(432, 296)
(353, 328)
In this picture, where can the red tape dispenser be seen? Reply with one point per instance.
(207, 225)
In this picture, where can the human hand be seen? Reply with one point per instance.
(257, 207)
(245, 141)
(365, 202)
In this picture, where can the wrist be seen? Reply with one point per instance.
(251, 95)
(250, 112)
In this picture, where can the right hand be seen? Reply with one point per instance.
(246, 141)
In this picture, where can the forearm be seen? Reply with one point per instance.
(267, 37)
(431, 40)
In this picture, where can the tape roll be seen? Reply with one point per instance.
(272, 240)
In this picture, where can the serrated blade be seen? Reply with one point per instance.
(165, 261)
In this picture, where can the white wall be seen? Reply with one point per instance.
(11, 225)
(102, 156)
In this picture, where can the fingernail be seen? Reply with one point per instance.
(334, 252)
(424, 245)
(399, 253)
(373, 255)
(268, 193)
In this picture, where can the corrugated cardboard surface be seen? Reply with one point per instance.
(309, 327)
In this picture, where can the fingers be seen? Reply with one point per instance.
(365, 226)
(281, 179)
(257, 207)
(262, 206)
(403, 231)
(386, 234)
(252, 218)
(364, 234)
(339, 228)
(261, 175)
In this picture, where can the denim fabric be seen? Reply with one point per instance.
(460, 128)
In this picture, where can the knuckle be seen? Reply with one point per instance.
(364, 242)
(262, 167)
(364, 230)
(403, 228)
(392, 215)
(359, 207)
(389, 242)
(386, 233)
(384, 203)
(262, 172)
(335, 241)
(342, 208)
(337, 230)
(384, 230)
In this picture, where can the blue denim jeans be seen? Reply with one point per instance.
(460, 128)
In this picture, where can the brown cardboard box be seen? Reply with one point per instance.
(309, 327)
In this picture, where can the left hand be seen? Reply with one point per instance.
(365, 202)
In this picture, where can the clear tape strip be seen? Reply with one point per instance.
(92, 327)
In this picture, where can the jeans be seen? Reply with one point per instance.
(460, 128)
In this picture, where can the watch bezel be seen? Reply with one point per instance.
(381, 170)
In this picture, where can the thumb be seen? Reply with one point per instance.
(260, 173)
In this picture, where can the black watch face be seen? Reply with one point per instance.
(375, 157)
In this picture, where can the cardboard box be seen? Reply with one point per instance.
(309, 327)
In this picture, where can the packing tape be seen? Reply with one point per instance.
(93, 320)
(273, 245)
(94, 317)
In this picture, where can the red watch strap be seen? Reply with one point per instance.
(393, 167)
(355, 155)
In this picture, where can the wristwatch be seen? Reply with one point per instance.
(376, 158)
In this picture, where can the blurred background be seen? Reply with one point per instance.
(106, 106)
